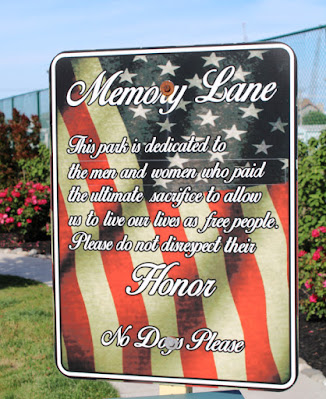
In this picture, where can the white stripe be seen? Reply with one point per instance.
(271, 256)
(220, 311)
(160, 310)
(89, 268)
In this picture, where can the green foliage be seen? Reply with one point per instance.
(311, 188)
(19, 140)
(314, 118)
(312, 276)
(37, 168)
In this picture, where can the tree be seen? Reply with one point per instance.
(19, 140)
(314, 118)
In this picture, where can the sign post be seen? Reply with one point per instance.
(174, 211)
(174, 389)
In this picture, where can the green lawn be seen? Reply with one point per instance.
(27, 365)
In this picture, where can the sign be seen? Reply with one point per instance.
(174, 213)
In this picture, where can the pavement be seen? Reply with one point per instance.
(310, 384)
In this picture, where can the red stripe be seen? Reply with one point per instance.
(74, 320)
(189, 310)
(117, 265)
(280, 196)
(249, 297)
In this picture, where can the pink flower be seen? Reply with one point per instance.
(315, 233)
(19, 224)
(313, 298)
(322, 229)
(308, 284)
(3, 194)
(37, 208)
(15, 194)
(29, 220)
(42, 201)
(4, 216)
(20, 211)
(31, 190)
(8, 209)
(10, 220)
(38, 186)
(9, 199)
(316, 255)
(301, 253)
(324, 284)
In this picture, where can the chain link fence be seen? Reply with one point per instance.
(309, 46)
(33, 103)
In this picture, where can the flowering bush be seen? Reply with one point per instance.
(312, 275)
(24, 209)
(311, 188)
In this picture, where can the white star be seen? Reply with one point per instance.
(195, 82)
(234, 133)
(217, 156)
(166, 125)
(140, 57)
(278, 125)
(240, 74)
(140, 111)
(161, 182)
(257, 53)
(176, 160)
(187, 138)
(127, 76)
(183, 104)
(251, 111)
(199, 178)
(168, 68)
(208, 118)
(213, 60)
(285, 163)
(262, 147)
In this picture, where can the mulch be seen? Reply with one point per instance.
(312, 342)
(312, 333)
(13, 241)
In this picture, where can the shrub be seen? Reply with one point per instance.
(312, 276)
(311, 188)
(37, 168)
(314, 118)
(24, 209)
(19, 139)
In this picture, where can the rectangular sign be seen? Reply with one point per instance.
(174, 210)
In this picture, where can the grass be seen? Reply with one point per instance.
(27, 365)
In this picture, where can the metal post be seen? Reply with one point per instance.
(38, 103)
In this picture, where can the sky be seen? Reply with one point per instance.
(33, 32)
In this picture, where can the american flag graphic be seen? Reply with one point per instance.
(253, 297)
